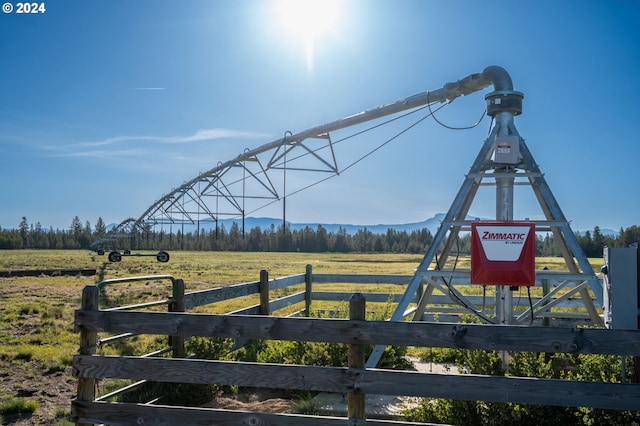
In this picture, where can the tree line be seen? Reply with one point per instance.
(81, 235)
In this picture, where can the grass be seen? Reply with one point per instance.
(13, 405)
(37, 313)
(36, 316)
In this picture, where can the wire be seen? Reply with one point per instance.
(454, 295)
(484, 296)
(368, 129)
(278, 165)
(530, 305)
(392, 138)
(484, 112)
(358, 160)
(431, 110)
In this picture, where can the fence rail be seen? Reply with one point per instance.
(354, 380)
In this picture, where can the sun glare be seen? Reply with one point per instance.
(307, 22)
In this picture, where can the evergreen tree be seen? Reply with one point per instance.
(342, 244)
(322, 239)
(40, 238)
(598, 243)
(629, 236)
(24, 232)
(100, 228)
(282, 239)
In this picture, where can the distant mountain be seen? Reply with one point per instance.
(264, 223)
(431, 224)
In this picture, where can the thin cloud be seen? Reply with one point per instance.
(211, 134)
(199, 136)
(127, 148)
(102, 153)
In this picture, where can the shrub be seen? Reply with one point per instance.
(604, 368)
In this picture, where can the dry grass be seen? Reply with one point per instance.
(36, 313)
(37, 339)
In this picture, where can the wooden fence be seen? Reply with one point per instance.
(562, 308)
(354, 380)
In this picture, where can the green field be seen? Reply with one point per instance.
(36, 313)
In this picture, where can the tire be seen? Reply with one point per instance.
(163, 257)
(127, 252)
(101, 252)
(114, 256)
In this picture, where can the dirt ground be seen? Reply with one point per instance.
(265, 400)
(53, 391)
(23, 301)
(33, 379)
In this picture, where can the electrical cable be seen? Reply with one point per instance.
(484, 112)
(368, 129)
(484, 296)
(453, 294)
(432, 111)
(530, 305)
(278, 165)
(358, 160)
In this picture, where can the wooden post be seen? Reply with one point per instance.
(264, 292)
(355, 399)
(177, 305)
(308, 280)
(88, 345)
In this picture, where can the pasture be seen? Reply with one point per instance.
(37, 340)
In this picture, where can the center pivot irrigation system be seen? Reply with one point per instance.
(503, 250)
(270, 173)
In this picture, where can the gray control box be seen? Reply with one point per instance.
(507, 150)
(621, 283)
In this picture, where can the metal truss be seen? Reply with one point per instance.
(254, 178)
(259, 177)
(434, 273)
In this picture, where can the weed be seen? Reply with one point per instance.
(13, 405)
(307, 405)
(28, 310)
(60, 364)
(24, 354)
(56, 312)
(61, 413)
(36, 340)
(10, 318)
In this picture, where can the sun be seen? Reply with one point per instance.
(308, 22)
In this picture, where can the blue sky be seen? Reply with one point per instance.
(107, 105)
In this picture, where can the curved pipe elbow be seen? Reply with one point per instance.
(499, 77)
